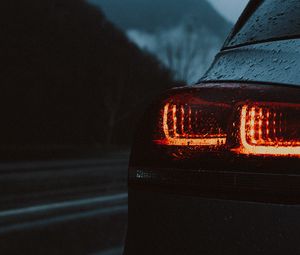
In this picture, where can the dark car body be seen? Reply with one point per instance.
(225, 204)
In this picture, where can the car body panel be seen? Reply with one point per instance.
(266, 20)
(164, 223)
(168, 220)
(271, 62)
(174, 220)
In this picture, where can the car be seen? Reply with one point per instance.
(215, 166)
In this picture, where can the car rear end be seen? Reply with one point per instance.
(215, 167)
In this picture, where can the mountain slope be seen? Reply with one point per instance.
(69, 76)
(151, 15)
(183, 34)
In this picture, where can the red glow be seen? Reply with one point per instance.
(185, 125)
(267, 129)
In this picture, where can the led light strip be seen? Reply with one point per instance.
(199, 140)
(275, 149)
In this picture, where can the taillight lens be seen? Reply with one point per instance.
(191, 121)
(270, 129)
(194, 122)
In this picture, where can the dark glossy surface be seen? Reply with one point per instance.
(271, 62)
(161, 223)
(272, 19)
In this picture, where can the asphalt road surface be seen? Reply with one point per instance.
(64, 207)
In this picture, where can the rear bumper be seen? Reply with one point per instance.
(161, 223)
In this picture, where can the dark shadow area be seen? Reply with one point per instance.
(71, 82)
(72, 89)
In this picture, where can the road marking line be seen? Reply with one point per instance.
(62, 219)
(62, 205)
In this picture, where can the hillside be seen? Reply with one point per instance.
(152, 15)
(183, 34)
(69, 76)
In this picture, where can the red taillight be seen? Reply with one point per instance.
(190, 121)
(210, 122)
(270, 129)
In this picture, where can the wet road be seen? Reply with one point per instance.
(63, 207)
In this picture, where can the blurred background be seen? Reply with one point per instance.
(75, 78)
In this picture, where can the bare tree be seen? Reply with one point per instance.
(187, 52)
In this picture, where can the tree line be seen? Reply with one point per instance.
(69, 76)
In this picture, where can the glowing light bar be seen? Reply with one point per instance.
(188, 125)
(270, 129)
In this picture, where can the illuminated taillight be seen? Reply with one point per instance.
(270, 129)
(235, 141)
(197, 122)
(191, 121)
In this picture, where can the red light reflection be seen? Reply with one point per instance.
(181, 124)
(263, 130)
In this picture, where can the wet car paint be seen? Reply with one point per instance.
(272, 62)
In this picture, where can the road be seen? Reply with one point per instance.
(63, 207)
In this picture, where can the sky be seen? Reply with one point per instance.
(230, 9)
